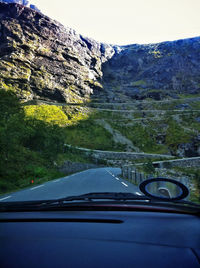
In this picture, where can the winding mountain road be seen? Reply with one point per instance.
(92, 180)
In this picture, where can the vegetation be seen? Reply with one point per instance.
(144, 137)
(148, 167)
(193, 173)
(31, 143)
(176, 135)
(89, 135)
(184, 96)
(196, 105)
(33, 137)
(139, 83)
(47, 113)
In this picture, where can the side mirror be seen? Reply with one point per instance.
(164, 189)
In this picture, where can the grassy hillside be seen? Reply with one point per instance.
(33, 137)
(32, 142)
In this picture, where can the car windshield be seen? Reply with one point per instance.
(98, 96)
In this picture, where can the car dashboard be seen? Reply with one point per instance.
(99, 239)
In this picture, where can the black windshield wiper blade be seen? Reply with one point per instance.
(91, 197)
(121, 196)
(105, 195)
(84, 197)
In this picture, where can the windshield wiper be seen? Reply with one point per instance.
(119, 196)
(105, 195)
(89, 197)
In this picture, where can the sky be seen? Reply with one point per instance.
(124, 22)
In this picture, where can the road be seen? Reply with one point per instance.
(92, 180)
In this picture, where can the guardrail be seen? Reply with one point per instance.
(130, 173)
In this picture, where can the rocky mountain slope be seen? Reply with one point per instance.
(21, 2)
(140, 98)
(154, 71)
(41, 59)
(58, 88)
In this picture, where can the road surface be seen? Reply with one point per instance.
(92, 180)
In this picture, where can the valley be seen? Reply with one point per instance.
(61, 92)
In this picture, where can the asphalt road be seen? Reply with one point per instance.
(92, 180)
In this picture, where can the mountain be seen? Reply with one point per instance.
(42, 59)
(155, 71)
(21, 2)
(141, 98)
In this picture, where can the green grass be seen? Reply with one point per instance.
(189, 121)
(32, 142)
(47, 113)
(194, 174)
(188, 96)
(139, 83)
(176, 135)
(142, 137)
(89, 135)
(196, 105)
(24, 167)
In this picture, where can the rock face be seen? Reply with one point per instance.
(191, 149)
(21, 2)
(153, 71)
(41, 59)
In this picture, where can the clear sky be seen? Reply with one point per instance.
(125, 22)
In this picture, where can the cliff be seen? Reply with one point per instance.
(155, 71)
(42, 59)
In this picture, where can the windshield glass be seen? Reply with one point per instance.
(98, 97)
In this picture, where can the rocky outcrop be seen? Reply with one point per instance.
(21, 2)
(189, 149)
(153, 71)
(41, 59)
(118, 137)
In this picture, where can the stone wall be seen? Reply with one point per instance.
(184, 162)
(109, 155)
(72, 167)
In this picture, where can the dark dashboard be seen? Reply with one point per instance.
(99, 239)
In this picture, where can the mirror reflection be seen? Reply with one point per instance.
(164, 189)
